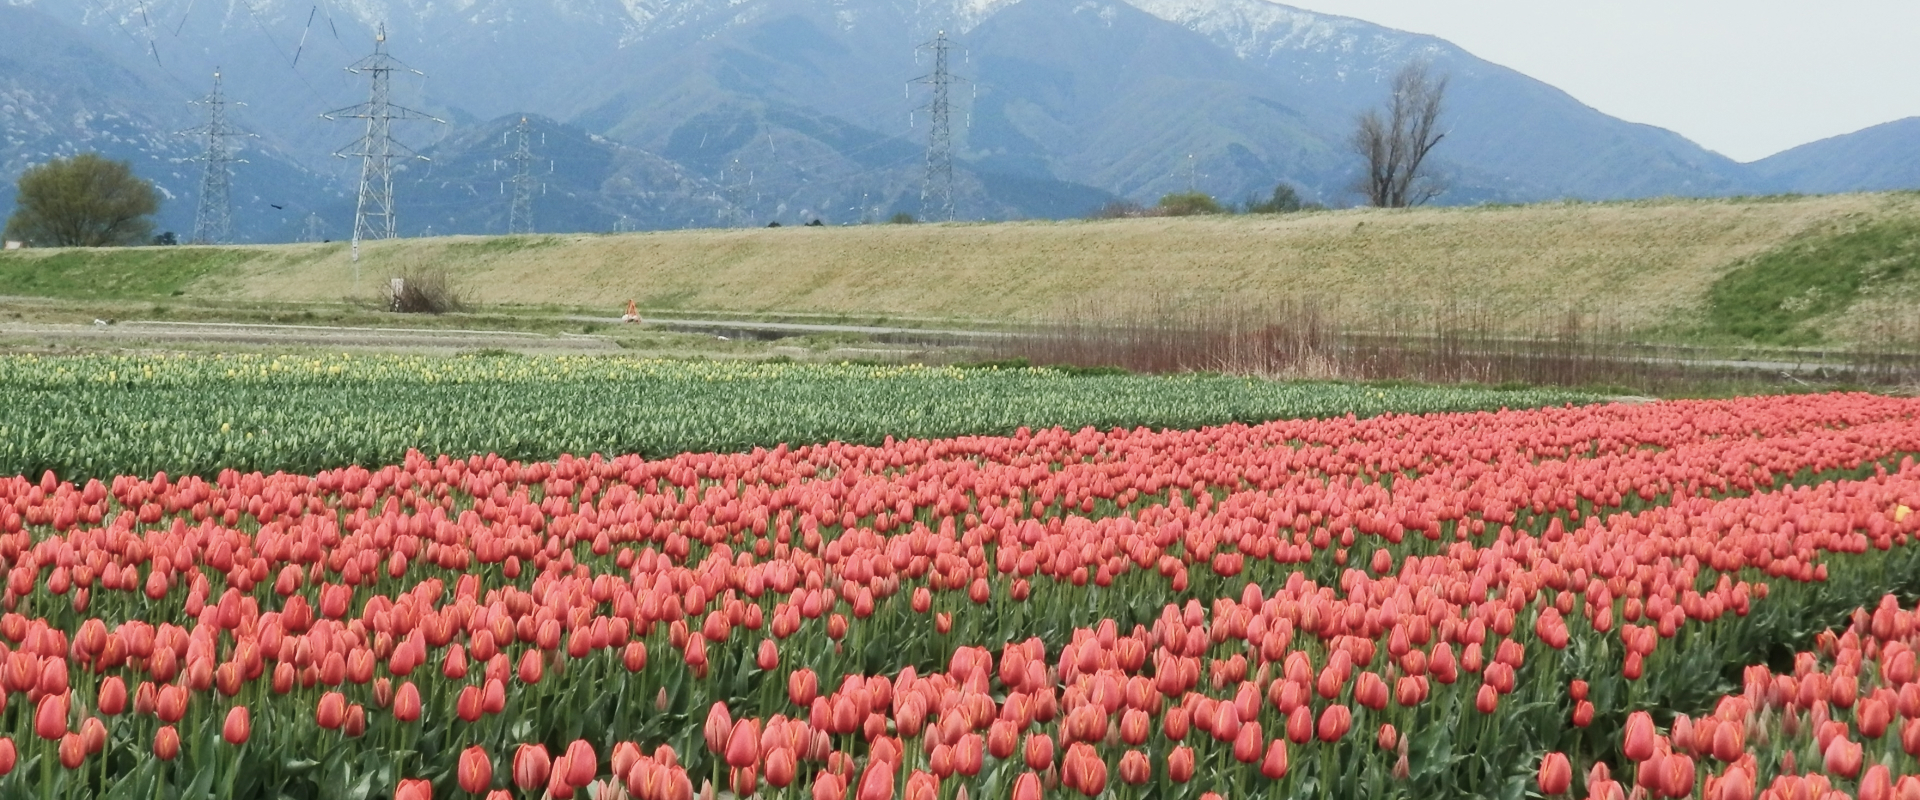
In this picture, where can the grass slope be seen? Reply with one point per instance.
(1726, 267)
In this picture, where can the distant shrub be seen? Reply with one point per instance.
(901, 218)
(1284, 201)
(1186, 204)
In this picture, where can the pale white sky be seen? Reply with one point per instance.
(1747, 78)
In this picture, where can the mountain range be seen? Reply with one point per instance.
(679, 113)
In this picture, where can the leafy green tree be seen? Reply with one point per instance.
(1284, 201)
(1183, 204)
(84, 201)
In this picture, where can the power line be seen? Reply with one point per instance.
(520, 214)
(373, 216)
(936, 194)
(213, 219)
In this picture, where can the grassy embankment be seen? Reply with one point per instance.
(1777, 271)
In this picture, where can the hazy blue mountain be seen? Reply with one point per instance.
(790, 110)
(1882, 157)
(60, 94)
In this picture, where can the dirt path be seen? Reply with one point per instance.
(170, 334)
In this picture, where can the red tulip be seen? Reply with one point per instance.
(413, 789)
(743, 744)
(113, 696)
(1083, 769)
(922, 785)
(73, 750)
(166, 743)
(1247, 745)
(356, 723)
(406, 703)
(1487, 700)
(1039, 752)
(1274, 766)
(802, 687)
(1843, 757)
(50, 719)
(582, 763)
(782, 768)
(476, 770)
(530, 667)
(8, 755)
(1025, 787)
(1556, 774)
(1877, 784)
(332, 712)
(877, 782)
(828, 786)
(93, 733)
(1334, 722)
(237, 727)
(531, 765)
(1639, 737)
(467, 706)
(1135, 769)
(719, 728)
(1180, 764)
(768, 656)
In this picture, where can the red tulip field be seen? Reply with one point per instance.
(1690, 599)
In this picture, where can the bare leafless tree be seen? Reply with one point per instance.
(1395, 145)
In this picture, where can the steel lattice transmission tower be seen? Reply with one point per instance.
(520, 215)
(373, 216)
(213, 219)
(936, 194)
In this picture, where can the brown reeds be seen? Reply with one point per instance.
(1298, 338)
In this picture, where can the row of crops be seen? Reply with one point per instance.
(1595, 601)
(100, 416)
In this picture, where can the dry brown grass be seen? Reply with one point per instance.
(1638, 263)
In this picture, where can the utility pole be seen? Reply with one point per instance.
(313, 228)
(936, 193)
(213, 219)
(520, 214)
(373, 216)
